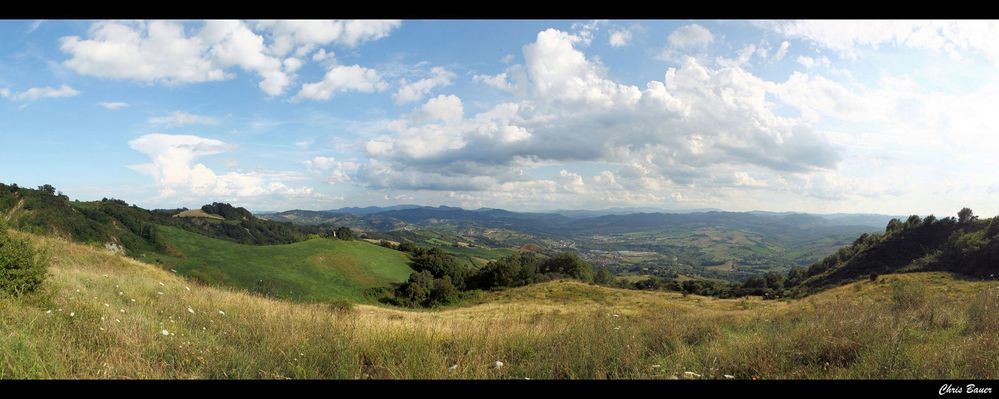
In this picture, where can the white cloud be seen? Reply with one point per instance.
(172, 166)
(335, 171)
(619, 38)
(113, 105)
(415, 91)
(809, 62)
(343, 79)
(442, 108)
(684, 137)
(849, 38)
(322, 55)
(291, 35)
(181, 118)
(498, 81)
(36, 93)
(171, 53)
(782, 51)
(151, 52)
(687, 36)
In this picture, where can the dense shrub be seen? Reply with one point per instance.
(22, 267)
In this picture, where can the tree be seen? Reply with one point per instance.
(344, 233)
(416, 290)
(893, 225)
(47, 189)
(569, 264)
(603, 276)
(407, 246)
(913, 221)
(965, 216)
(22, 267)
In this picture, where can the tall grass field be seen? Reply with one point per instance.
(102, 315)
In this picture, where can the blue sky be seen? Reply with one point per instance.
(817, 116)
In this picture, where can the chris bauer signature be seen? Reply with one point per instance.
(970, 388)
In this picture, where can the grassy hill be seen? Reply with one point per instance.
(315, 270)
(102, 315)
(969, 246)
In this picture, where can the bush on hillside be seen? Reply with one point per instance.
(22, 267)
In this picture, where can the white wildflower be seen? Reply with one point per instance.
(222, 313)
(71, 314)
(48, 311)
(189, 310)
(498, 364)
(165, 332)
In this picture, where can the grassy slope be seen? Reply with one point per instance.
(922, 325)
(311, 271)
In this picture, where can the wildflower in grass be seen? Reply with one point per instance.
(48, 311)
(729, 376)
(117, 321)
(188, 288)
(161, 284)
(122, 310)
(189, 310)
(71, 314)
(498, 364)
(102, 328)
(165, 332)
(159, 293)
(222, 313)
(616, 315)
(120, 293)
(655, 366)
(133, 299)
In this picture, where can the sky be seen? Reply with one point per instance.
(894, 117)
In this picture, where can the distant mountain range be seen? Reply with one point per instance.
(374, 217)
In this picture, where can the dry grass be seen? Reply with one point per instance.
(925, 325)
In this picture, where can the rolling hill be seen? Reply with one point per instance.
(102, 315)
(314, 270)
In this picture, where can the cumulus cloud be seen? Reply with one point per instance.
(335, 171)
(181, 118)
(498, 81)
(700, 128)
(36, 93)
(172, 53)
(343, 79)
(415, 91)
(687, 36)
(172, 165)
(288, 36)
